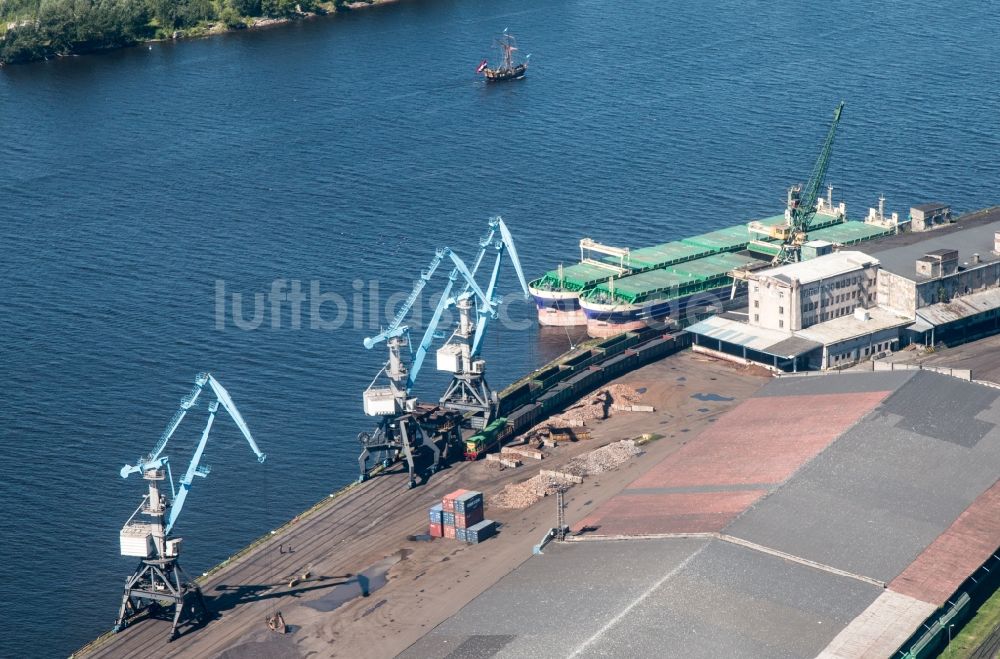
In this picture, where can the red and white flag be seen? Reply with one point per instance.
(482, 66)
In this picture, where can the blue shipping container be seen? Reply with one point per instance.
(481, 531)
(448, 519)
(469, 502)
(436, 513)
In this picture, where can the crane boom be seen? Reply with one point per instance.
(230, 406)
(484, 243)
(470, 284)
(806, 208)
(194, 469)
(152, 459)
(394, 326)
(428, 338)
(506, 243)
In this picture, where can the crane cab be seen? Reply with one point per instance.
(449, 358)
(379, 401)
(136, 539)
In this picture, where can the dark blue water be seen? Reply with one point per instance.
(343, 151)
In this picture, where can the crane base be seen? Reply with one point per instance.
(403, 436)
(160, 584)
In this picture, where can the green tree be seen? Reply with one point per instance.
(246, 7)
(278, 8)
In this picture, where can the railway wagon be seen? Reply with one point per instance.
(554, 387)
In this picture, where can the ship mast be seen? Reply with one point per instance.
(507, 43)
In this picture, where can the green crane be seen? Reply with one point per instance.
(802, 204)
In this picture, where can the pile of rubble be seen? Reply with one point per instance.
(526, 493)
(598, 405)
(603, 459)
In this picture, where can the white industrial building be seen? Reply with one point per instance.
(798, 295)
(835, 310)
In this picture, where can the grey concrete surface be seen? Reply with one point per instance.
(841, 382)
(680, 598)
(873, 500)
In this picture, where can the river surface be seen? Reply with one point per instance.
(342, 151)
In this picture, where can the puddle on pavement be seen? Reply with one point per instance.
(711, 397)
(640, 390)
(363, 584)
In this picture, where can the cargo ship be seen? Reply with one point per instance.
(673, 284)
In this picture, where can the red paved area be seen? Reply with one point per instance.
(955, 554)
(762, 440)
(640, 514)
(758, 444)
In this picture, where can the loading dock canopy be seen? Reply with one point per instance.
(959, 308)
(771, 342)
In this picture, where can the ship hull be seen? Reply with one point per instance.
(605, 320)
(499, 75)
(558, 308)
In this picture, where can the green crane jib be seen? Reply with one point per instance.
(784, 240)
(803, 204)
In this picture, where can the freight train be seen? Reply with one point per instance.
(549, 390)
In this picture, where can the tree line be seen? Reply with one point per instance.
(37, 29)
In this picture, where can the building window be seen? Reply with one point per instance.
(756, 304)
(781, 311)
(781, 323)
(756, 318)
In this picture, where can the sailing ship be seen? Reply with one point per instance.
(511, 68)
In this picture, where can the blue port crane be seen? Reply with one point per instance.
(468, 392)
(393, 402)
(147, 534)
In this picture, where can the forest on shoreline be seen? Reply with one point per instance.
(39, 29)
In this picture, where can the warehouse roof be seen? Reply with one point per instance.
(899, 254)
(822, 267)
(959, 308)
(836, 537)
(932, 206)
(850, 327)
